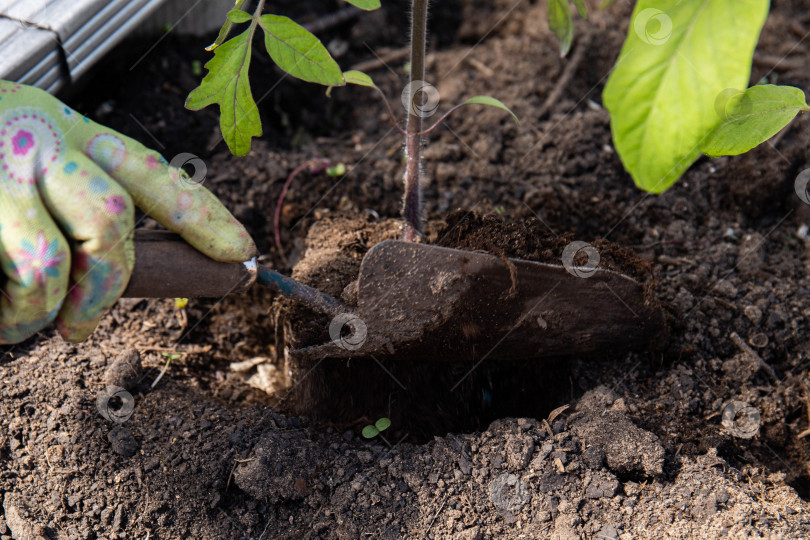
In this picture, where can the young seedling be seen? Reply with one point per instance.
(375, 430)
(169, 357)
(300, 54)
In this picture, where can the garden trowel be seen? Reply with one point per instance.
(429, 302)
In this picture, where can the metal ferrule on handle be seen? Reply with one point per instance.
(167, 267)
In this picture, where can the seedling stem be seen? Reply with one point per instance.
(412, 204)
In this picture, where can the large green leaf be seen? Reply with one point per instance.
(678, 57)
(298, 52)
(227, 84)
(368, 5)
(561, 23)
(752, 117)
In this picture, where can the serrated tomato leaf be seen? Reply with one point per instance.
(227, 85)
(679, 55)
(295, 50)
(561, 23)
(752, 117)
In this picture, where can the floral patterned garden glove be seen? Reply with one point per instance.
(68, 187)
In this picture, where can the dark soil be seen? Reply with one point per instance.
(641, 452)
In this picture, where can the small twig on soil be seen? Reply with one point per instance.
(381, 61)
(773, 62)
(333, 19)
(439, 511)
(485, 70)
(193, 350)
(674, 261)
(567, 75)
(235, 463)
(743, 346)
(557, 412)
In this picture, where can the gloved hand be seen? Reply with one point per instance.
(68, 187)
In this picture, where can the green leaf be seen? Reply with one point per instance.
(581, 8)
(239, 16)
(679, 55)
(358, 78)
(561, 23)
(298, 52)
(382, 424)
(226, 28)
(752, 117)
(227, 84)
(368, 5)
(336, 170)
(369, 432)
(491, 102)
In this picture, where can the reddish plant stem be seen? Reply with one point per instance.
(412, 203)
(314, 165)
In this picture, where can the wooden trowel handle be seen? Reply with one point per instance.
(167, 267)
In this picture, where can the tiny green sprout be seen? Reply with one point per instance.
(180, 303)
(371, 431)
(336, 170)
(561, 22)
(169, 357)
